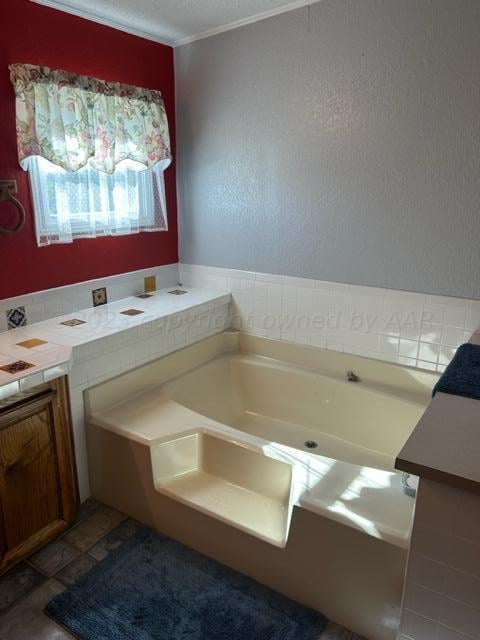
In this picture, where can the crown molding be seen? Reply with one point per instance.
(290, 6)
(68, 7)
(63, 5)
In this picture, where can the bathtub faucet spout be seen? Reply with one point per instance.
(350, 376)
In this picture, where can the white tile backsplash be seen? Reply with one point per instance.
(442, 584)
(444, 633)
(51, 303)
(427, 572)
(462, 586)
(410, 328)
(418, 627)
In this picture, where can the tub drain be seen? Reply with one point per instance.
(311, 444)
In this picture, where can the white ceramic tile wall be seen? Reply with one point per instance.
(107, 357)
(442, 586)
(411, 328)
(43, 305)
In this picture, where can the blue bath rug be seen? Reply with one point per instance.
(153, 588)
(462, 376)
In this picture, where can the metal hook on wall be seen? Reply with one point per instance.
(8, 189)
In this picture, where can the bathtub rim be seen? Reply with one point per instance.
(221, 343)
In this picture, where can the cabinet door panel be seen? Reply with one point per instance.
(38, 485)
(28, 476)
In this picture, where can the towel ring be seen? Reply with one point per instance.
(7, 190)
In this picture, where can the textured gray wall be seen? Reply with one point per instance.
(339, 142)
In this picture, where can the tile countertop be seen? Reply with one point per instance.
(53, 357)
(445, 444)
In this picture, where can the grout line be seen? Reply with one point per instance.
(27, 593)
(47, 576)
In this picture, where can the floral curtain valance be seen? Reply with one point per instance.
(73, 120)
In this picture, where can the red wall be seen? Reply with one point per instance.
(35, 34)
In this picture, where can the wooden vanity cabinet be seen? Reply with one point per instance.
(38, 482)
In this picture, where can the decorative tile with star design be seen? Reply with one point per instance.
(99, 296)
(74, 322)
(16, 317)
(131, 312)
(16, 367)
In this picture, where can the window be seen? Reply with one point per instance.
(95, 151)
(89, 203)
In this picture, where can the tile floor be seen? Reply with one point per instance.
(29, 586)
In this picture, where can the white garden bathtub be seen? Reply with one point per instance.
(364, 423)
(240, 430)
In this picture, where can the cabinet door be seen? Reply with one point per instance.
(37, 473)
